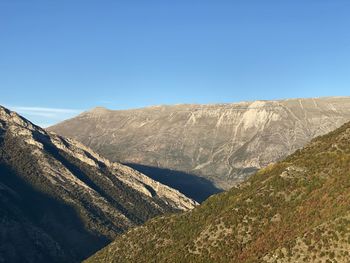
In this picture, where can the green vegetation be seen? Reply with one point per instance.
(297, 210)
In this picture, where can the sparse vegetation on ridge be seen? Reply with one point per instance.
(296, 210)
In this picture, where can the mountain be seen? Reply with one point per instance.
(61, 202)
(200, 149)
(297, 210)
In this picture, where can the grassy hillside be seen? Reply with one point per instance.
(297, 210)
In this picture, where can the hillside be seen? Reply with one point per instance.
(61, 202)
(297, 210)
(200, 149)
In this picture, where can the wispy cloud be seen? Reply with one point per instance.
(46, 109)
(44, 116)
(52, 113)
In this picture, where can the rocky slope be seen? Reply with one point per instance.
(60, 201)
(297, 210)
(223, 143)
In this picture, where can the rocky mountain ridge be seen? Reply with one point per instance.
(222, 143)
(60, 201)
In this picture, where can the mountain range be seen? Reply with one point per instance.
(296, 210)
(61, 202)
(202, 149)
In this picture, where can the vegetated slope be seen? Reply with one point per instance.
(223, 143)
(297, 210)
(60, 201)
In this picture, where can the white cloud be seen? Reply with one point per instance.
(42, 110)
(44, 116)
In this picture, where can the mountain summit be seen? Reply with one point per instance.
(60, 201)
(222, 143)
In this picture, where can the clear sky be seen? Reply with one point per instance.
(61, 57)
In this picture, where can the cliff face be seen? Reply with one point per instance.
(223, 143)
(60, 201)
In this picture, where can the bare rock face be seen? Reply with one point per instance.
(223, 143)
(60, 201)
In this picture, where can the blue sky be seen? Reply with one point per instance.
(58, 58)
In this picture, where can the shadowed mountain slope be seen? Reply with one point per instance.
(195, 187)
(297, 210)
(223, 143)
(60, 201)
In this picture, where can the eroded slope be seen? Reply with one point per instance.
(297, 210)
(223, 143)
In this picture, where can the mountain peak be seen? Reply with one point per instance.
(8, 115)
(99, 109)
